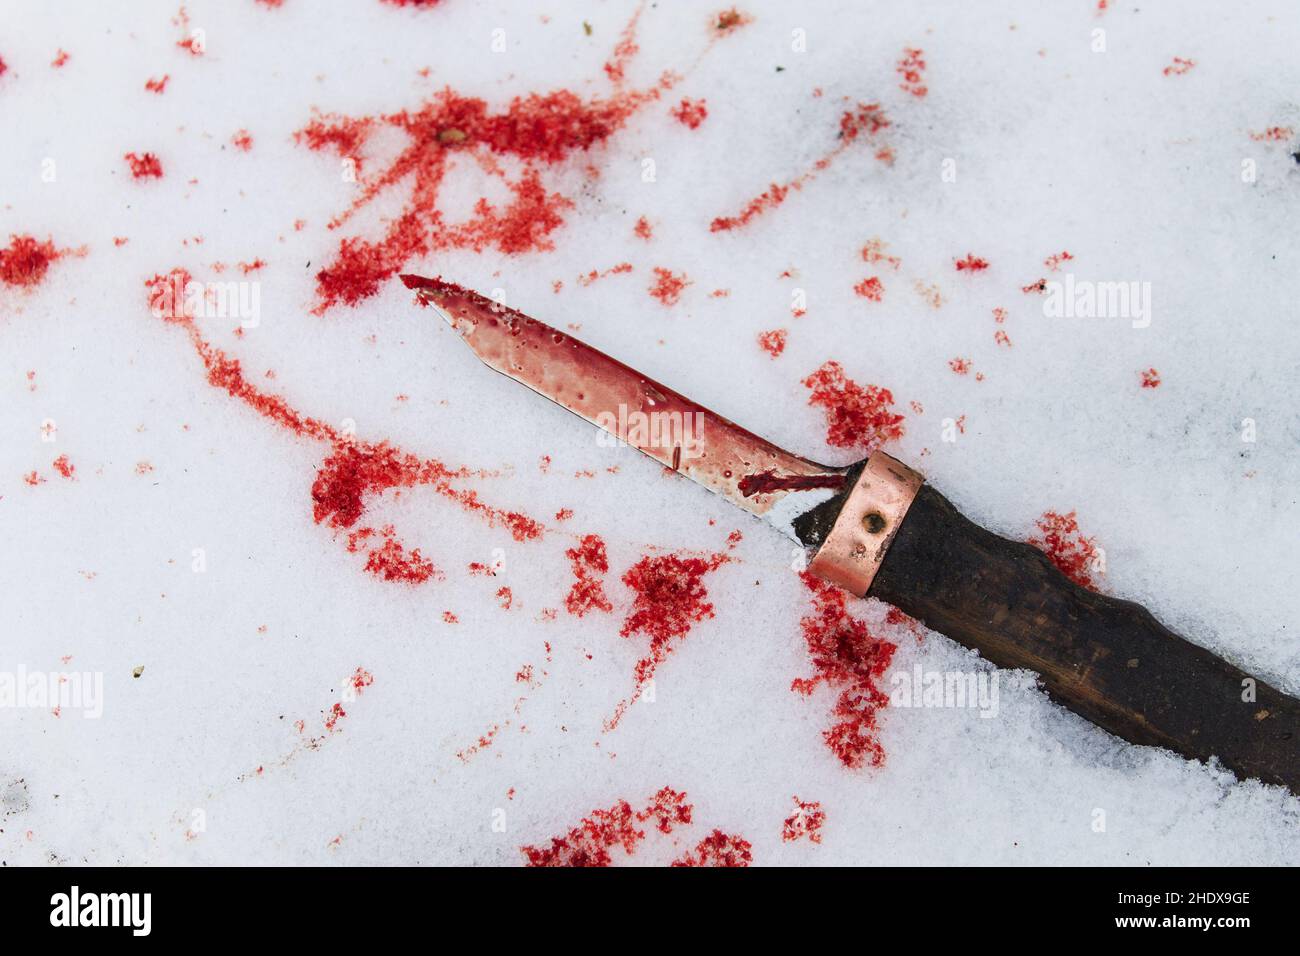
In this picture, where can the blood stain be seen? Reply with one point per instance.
(773, 341)
(1178, 67)
(765, 482)
(961, 366)
(242, 140)
(806, 821)
(65, 467)
(590, 564)
(588, 844)
(25, 261)
(1073, 554)
(60, 59)
(874, 252)
(642, 229)
(1053, 262)
(972, 263)
(144, 165)
(1274, 134)
(1150, 378)
(533, 132)
(911, 68)
(157, 84)
(668, 286)
(691, 113)
(719, 849)
(857, 416)
(354, 471)
(866, 118)
(871, 288)
(847, 657)
(670, 598)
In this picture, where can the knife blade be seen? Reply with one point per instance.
(878, 530)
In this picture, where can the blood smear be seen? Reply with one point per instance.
(847, 657)
(857, 416)
(1073, 554)
(1150, 378)
(157, 85)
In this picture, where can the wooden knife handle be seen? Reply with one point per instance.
(1106, 659)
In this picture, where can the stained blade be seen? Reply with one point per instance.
(680, 434)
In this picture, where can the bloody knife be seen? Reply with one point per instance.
(877, 529)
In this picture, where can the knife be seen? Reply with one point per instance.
(878, 530)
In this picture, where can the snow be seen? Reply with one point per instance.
(1138, 174)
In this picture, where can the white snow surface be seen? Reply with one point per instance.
(1057, 146)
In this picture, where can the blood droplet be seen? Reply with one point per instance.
(1073, 554)
(857, 416)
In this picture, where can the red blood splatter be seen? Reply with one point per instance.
(156, 85)
(691, 113)
(642, 229)
(533, 132)
(999, 315)
(144, 165)
(848, 657)
(24, 262)
(405, 3)
(590, 564)
(450, 618)
(1275, 134)
(242, 140)
(871, 288)
(191, 43)
(1001, 338)
(1073, 554)
(589, 843)
(857, 416)
(670, 599)
(354, 472)
(1053, 262)
(668, 287)
(624, 51)
(361, 679)
(865, 117)
(773, 341)
(506, 597)
(1150, 378)
(1178, 67)
(255, 265)
(1040, 287)
(33, 479)
(564, 514)
(972, 263)
(730, 20)
(4, 67)
(765, 482)
(594, 275)
(719, 849)
(64, 467)
(61, 58)
(960, 365)
(874, 252)
(806, 821)
(911, 68)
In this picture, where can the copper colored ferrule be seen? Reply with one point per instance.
(872, 514)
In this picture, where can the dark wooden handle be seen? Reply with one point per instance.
(1106, 659)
